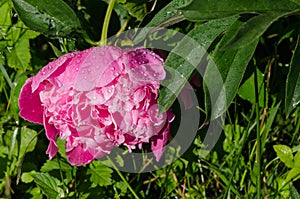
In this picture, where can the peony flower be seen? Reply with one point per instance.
(98, 99)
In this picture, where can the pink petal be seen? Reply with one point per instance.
(77, 156)
(159, 141)
(92, 69)
(57, 66)
(186, 96)
(30, 103)
(144, 65)
(51, 133)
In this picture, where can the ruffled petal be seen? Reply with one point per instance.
(77, 156)
(159, 141)
(30, 103)
(51, 133)
(144, 65)
(91, 72)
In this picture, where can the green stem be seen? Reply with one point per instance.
(258, 140)
(123, 179)
(109, 10)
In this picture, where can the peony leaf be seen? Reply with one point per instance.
(100, 173)
(52, 17)
(224, 73)
(253, 29)
(47, 183)
(179, 62)
(292, 98)
(55, 165)
(167, 13)
(214, 9)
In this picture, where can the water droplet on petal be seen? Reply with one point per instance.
(113, 68)
(77, 69)
(122, 67)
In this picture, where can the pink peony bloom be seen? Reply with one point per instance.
(97, 99)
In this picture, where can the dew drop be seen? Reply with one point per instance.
(122, 67)
(50, 67)
(113, 68)
(77, 69)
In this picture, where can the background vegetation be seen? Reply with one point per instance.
(254, 44)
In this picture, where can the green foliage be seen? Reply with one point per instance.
(213, 9)
(48, 184)
(52, 17)
(182, 62)
(225, 44)
(136, 8)
(100, 173)
(293, 81)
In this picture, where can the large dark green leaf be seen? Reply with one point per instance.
(253, 29)
(52, 17)
(186, 56)
(168, 15)
(225, 72)
(293, 81)
(212, 9)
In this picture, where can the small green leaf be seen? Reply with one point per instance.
(47, 183)
(297, 160)
(293, 174)
(61, 144)
(214, 9)
(292, 98)
(247, 91)
(56, 51)
(52, 17)
(285, 155)
(55, 165)
(19, 56)
(293, 192)
(100, 173)
(26, 177)
(28, 140)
